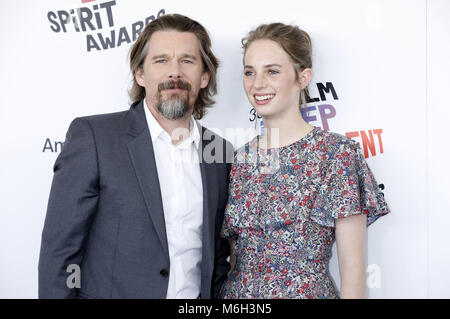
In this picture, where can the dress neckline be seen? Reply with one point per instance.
(305, 137)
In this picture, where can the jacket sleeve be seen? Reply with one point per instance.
(71, 209)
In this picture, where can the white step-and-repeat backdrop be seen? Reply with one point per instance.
(380, 77)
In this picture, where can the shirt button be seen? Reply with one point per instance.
(164, 272)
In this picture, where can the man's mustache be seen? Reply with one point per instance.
(171, 84)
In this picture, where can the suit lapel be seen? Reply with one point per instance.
(142, 156)
(209, 180)
(143, 159)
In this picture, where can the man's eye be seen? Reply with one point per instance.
(160, 61)
(187, 61)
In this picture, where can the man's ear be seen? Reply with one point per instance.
(204, 79)
(139, 76)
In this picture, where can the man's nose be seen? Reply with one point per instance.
(174, 70)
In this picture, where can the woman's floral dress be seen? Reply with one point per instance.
(281, 211)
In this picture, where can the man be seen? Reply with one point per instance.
(137, 198)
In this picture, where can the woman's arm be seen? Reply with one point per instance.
(351, 248)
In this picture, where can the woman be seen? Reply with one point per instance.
(296, 189)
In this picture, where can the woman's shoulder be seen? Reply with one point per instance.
(318, 140)
(337, 142)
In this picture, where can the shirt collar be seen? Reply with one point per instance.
(156, 131)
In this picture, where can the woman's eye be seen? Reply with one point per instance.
(273, 72)
(160, 61)
(187, 61)
(248, 73)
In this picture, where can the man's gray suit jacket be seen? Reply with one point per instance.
(105, 212)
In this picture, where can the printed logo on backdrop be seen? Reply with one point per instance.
(96, 21)
(52, 146)
(324, 112)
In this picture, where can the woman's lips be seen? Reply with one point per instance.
(262, 99)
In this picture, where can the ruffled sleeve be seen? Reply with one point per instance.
(348, 188)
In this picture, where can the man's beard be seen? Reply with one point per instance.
(174, 107)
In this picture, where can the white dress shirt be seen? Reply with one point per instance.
(182, 198)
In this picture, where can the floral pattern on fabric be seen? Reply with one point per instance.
(281, 210)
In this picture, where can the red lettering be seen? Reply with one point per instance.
(368, 140)
(368, 144)
(352, 134)
(378, 132)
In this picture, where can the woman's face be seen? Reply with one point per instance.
(270, 80)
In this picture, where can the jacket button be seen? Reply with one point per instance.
(164, 272)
